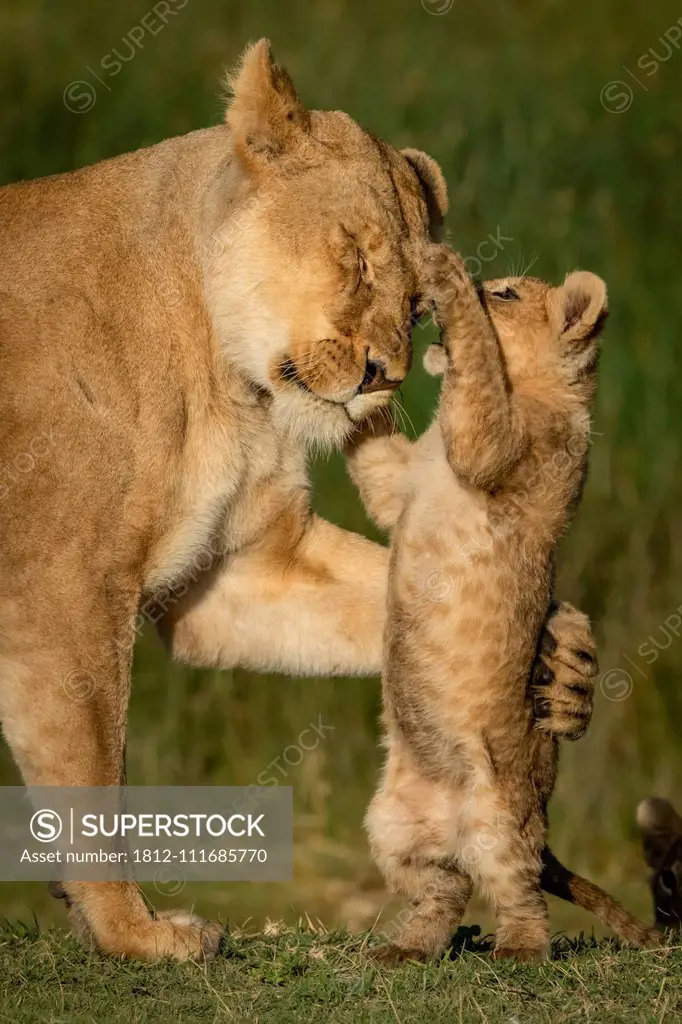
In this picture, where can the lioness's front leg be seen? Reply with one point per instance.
(313, 607)
(64, 685)
(319, 607)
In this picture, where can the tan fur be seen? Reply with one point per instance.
(178, 326)
(182, 324)
(478, 504)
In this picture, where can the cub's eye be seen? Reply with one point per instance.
(506, 294)
(362, 265)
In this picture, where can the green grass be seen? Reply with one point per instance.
(507, 96)
(316, 976)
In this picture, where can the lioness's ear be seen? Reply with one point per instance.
(579, 308)
(265, 114)
(434, 186)
(659, 825)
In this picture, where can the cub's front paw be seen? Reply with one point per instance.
(562, 683)
(435, 360)
(445, 280)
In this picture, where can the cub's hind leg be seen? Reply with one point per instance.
(409, 827)
(506, 861)
(438, 898)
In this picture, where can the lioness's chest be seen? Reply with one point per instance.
(236, 481)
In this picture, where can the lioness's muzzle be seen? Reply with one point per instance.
(376, 380)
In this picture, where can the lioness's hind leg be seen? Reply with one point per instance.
(63, 708)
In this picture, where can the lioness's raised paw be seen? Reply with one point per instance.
(562, 682)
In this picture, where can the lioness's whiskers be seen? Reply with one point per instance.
(401, 408)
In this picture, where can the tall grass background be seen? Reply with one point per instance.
(506, 96)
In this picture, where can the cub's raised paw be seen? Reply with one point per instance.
(562, 684)
(435, 360)
(445, 279)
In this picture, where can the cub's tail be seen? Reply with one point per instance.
(559, 881)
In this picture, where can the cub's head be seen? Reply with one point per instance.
(548, 335)
(660, 827)
(313, 280)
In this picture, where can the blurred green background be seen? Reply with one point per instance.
(513, 98)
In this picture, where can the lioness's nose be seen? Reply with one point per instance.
(375, 379)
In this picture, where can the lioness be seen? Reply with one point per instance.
(182, 323)
(483, 498)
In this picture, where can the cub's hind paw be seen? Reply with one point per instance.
(392, 955)
(527, 954)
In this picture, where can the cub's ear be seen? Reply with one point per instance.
(578, 309)
(265, 114)
(659, 825)
(434, 185)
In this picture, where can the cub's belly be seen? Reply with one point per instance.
(465, 611)
(445, 545)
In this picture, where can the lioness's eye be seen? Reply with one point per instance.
(506, 294)
(362, 264)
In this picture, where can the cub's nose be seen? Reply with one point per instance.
(375, 379)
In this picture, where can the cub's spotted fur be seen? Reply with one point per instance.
(479, 504)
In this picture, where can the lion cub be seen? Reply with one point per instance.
(479, 503)
(660, 827)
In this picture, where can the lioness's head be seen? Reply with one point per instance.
(313, 282)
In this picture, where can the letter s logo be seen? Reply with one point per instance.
(46, 826)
